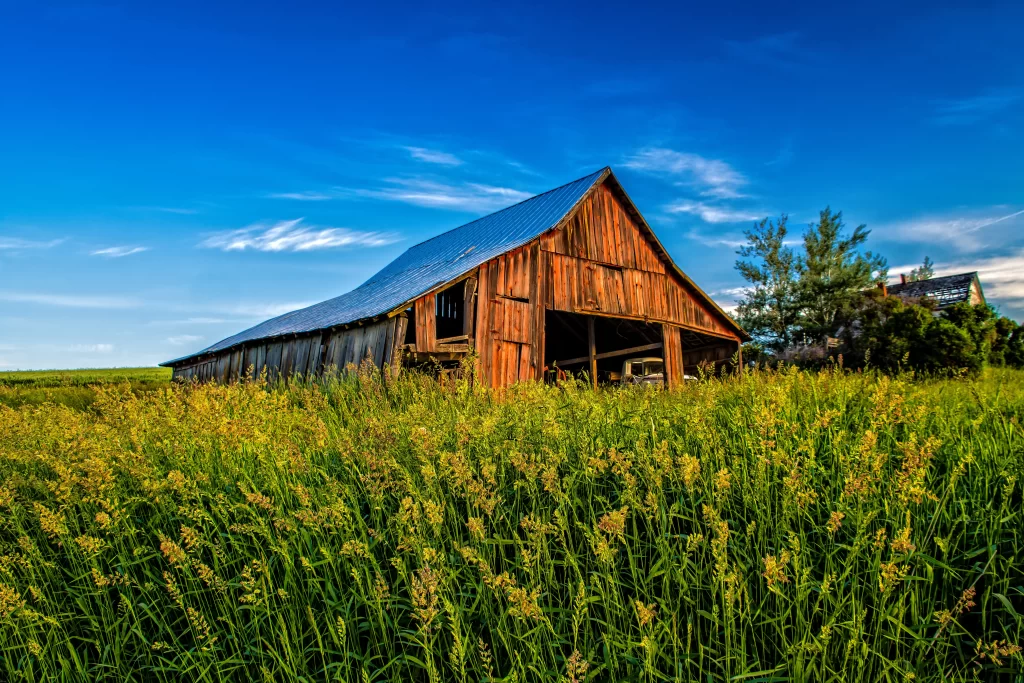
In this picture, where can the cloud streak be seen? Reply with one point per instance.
(472, 197)
(968, 110)
(16, 243)
(965, 232)
(91, 348)
(118, 252)
(307, 196)
(433, 156)
(292, 236)
(712, 177)
(69, 300)
(777, 49)
(713, 214)
(183, 339)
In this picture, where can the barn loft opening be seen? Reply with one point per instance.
(450, 311)
(616, 340)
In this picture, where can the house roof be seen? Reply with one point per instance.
(441, 259)
(946, 291)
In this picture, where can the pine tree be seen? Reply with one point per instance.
(833, 273)
(925, 271)
(770, 308)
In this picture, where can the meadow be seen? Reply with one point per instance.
(74, 388)
(783, 526)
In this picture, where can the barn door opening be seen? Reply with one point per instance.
(601, 348)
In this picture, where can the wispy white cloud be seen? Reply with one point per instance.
(262, 310)
(198, 320)
(777, 49)
(307, 196)
(968, 110)
(968, 233)
(712, 177)
(118, 252)
(91, 348)
(292, 236)
(182, 339)
(473, 197)
(713, 214)
(70, 300)
(732, 241)
(434, 156)
(177, 210)
(16, 243)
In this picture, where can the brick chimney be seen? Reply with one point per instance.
(884, 287)
(903, 279)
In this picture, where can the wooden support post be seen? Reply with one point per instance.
(469, 308)
(592, 339)
(739, 357)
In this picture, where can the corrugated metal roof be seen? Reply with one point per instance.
(426, 265)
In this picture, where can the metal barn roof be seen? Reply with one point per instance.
(426, 265)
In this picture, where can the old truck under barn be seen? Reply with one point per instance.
(572, 279)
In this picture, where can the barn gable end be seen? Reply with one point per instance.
(602, 260)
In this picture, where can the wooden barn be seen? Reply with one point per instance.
(570, 280)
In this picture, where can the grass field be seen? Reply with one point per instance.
(786, 526)
(74, 388)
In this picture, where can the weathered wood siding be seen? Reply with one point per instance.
(510, 317)
(307, 355)
(602, 263)
(426, 324)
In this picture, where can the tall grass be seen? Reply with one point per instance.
(782, 526)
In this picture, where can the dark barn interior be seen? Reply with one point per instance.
(567, 343)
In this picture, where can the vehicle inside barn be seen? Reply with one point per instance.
(572, 281)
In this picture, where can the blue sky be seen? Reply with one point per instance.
(171, 174)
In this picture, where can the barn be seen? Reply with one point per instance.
(573, 279)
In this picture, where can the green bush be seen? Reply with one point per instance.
(892, 334)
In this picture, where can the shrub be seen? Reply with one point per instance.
(891, 334)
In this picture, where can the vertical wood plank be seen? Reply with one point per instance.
(401, 323)
(592, 343)
(469, 308)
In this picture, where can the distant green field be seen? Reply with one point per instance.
(74, 388)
